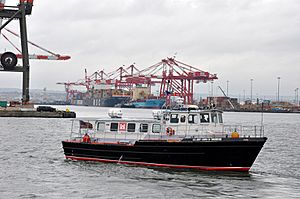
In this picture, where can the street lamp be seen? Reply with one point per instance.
(251, 81)
(297, 96)
(212, 88)
(278, 85)
(227, 87)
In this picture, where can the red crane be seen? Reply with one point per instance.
(175, 78)
(123, 82)
(71, 92)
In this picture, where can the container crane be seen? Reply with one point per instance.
(70, 91)
(175, 78)
(8, 59)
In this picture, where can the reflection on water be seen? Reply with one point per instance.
(33, 165)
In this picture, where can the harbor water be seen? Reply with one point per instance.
(33, 164)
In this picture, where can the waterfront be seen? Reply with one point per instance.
(33, 164)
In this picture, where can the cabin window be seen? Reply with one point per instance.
(214, 118)
(174, 118)
(144, 128)
(156, 128)
(182, 118)
(220, 118)
(85, 125)
(131, 127)
(101, 126)
(193, 119)
(204, 117)
(114, 127)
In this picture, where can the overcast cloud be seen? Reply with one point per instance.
(238, 40)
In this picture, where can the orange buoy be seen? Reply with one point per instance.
(235, 134)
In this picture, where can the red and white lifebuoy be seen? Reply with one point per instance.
(170, 131)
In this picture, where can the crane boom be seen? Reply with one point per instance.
(227, 97)
(52, 56)
(2, 2)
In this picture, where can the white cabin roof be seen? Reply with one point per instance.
(193, 111)
(108, 119)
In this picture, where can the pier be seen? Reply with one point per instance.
(34, 113)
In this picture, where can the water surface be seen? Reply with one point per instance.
(33, 164)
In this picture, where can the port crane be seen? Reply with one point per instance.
(100, 80)
(115, 78)
(70, 91)
(9, 60)
(175, 78)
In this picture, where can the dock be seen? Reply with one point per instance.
(45, 112)
(19, 113)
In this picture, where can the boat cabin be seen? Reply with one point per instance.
(117, 129)
(168, 124)
(128, 128)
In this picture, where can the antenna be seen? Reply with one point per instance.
(174, 56)
(262, 117)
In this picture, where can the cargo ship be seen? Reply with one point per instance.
(110, 101)
(181, 139)
(102, 98)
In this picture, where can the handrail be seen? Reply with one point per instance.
(181, 132)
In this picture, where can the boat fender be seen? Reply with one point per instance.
(86, 138)
(235, 134)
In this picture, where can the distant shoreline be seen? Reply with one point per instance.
(259, 111)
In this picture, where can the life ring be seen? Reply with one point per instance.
(170, 131)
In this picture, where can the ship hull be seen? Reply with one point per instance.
(150, 103)
(107, 102)
(223, 155)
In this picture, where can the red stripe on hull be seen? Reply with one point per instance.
(205, 168)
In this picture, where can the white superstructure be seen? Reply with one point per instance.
(174, 125)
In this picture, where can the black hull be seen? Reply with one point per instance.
(106, 102)
(227, 154)
(112, 101)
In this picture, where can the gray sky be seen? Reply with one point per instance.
(238, 40)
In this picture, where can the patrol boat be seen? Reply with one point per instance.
(181, 139)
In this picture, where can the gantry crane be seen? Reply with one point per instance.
(175, 78)
(8, 59)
